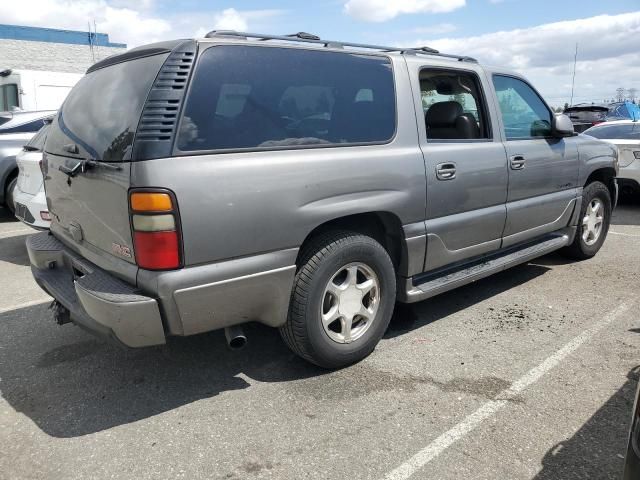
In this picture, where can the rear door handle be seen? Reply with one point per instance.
(446, 171)
(517, 162)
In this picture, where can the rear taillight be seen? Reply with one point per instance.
(156, 229)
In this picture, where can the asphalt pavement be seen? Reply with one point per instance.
(529, 374)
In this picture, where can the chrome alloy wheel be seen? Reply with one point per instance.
(350, 302)
(593, 221)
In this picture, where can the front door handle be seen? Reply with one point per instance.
(517, 162)
(446, 171)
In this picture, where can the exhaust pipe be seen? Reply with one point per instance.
(235, 337)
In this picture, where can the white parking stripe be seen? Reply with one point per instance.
(9, 233)
(487, 410)
(25, 304)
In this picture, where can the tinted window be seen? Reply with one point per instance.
(101, 113)
(524, 113)
(253, 97)
(8, 96)
(28, 127)
(37, 142)
(629, 131)
(453, 106)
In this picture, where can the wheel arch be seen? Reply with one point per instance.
(605, 175)
(384, 227)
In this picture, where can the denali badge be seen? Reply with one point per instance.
(121, 250)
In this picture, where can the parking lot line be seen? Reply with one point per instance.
(444, 441)
(25, 304)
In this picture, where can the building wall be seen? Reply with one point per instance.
(57, 57)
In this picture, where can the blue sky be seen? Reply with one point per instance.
(536, 38)
(327, 18)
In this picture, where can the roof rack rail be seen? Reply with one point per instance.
(311, 38)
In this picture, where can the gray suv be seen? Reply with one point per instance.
(304, 184)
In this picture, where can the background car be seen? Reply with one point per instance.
(16, 129)
(624, 134)
(29, 197)
(587, 115)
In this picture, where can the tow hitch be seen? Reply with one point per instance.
(60, 313)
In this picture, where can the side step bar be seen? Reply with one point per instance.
(429, 285)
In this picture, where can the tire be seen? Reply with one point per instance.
(8, 195)
(322, 265)
(582, 249)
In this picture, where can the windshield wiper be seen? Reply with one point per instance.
(29, 148)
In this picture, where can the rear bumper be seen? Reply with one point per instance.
(96, 300)
(32, 206)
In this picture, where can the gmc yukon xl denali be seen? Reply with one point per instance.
(304, 184)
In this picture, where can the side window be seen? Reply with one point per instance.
(524, 113)
(453, 106)
(8, 97)
(247, 97)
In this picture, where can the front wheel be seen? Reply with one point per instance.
(593, 224)
(342, 300)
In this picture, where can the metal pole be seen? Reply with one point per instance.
(573, 81)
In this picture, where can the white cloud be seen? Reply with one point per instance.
(608, 56)
(230, 19)
(128, 21)
(383, 10)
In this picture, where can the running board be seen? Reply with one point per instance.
(433, 284)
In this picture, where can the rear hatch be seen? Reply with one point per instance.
(88, 154)
(30, 176)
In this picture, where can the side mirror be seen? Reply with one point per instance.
(561, 126)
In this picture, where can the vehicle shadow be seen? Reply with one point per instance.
(14, 250)
(597, 449)
(6, 216)
(627, 212)
(70, 384)
(411, 316)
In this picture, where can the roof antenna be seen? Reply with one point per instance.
(573, 82)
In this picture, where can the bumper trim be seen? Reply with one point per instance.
(97, 301)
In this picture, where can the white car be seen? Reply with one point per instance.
(625, 135)
(29, 197)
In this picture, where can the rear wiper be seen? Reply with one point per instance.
(83, 165)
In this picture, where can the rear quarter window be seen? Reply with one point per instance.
(244, 97)
(101, 113)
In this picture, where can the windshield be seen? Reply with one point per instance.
(101, 113)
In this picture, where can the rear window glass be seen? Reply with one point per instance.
(37, 142)
(252, 97)
(629, 131)
(101, 113)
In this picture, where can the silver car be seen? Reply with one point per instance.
(625, 135)
(302, 183)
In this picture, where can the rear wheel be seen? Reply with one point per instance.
(593, 224)
(342, 300)
(9, 195)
